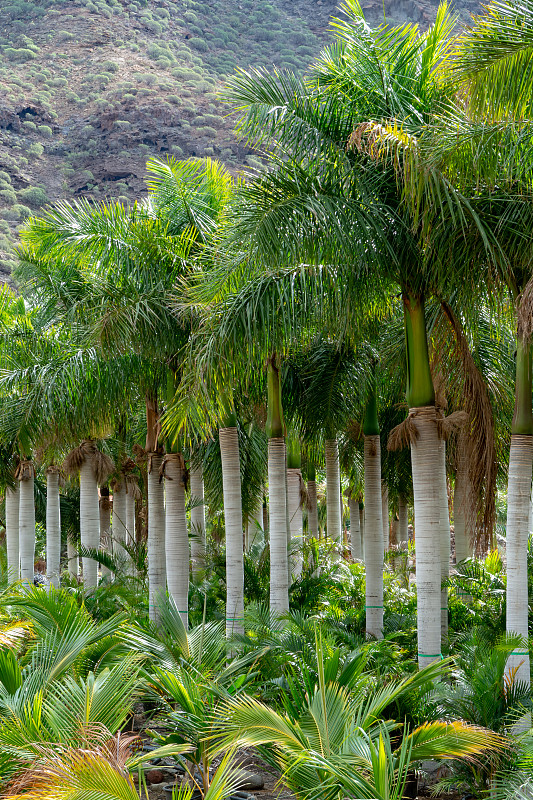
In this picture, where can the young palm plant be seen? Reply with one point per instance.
(332, 742)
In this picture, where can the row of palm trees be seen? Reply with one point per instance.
(214, 310)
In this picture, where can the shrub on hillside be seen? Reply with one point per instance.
(8, 197)
(34, 195)
(153, 26)
(19, 54)
(35, 149)
(45, 130)
(110, 66)
(198, 44)
(23, 211)
(207, 131)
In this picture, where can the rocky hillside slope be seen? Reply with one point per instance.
(90, 89)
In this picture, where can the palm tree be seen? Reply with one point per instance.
(196, 478)
(118, 521)
(93, 467)
(231, 485)
(104, 515)
(137, 262)
(53, 525)
(295, 498)
(12, 498)
(176, 537)
(493, 60)
(25, 474)
(312, 508)
(373, 520)
(277, 493)
(329, 132)
(319, 388)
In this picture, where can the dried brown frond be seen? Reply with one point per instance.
(140, 454)
(128, 466)
(103, 466)
(53, 469)
(524, 312)
(77, 457)
(132, 486)
(439, 386)
(450, 424)
(479, 437)
(105, 503)
(354, 429)
(25, 470)
(116, 485)
(373, 448)
(58, 771)
(176, 458)
(403, 434)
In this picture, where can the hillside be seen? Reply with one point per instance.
(92, 88)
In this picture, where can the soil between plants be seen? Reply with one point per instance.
(250, 761)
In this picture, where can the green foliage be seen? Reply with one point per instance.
(199, 44)
(34, 195)
(19, 54)
(45, 130)
(8, 196)
(206, 130)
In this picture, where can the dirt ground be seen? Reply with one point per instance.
(271, 790)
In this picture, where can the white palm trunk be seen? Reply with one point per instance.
(355, 534)
(27, 524)
(373, 537)
(279, 585)
(12, 532)
(333, 493)
(255, 524)
(362, 529)
(312, 509)
(403, 533)
(130, 516)
(53, 526)
(231, 487)
(385, 515)
(425, 462)
(156, 534)
(131, 493)
(176, 536)
(89, 519)
(294, 491)
(531, 512)
(518, 497)
(197, 519)
(445, 543)
(105, 532)
(73, 560)
(461, 511)
(119, 524)
(288, 529)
